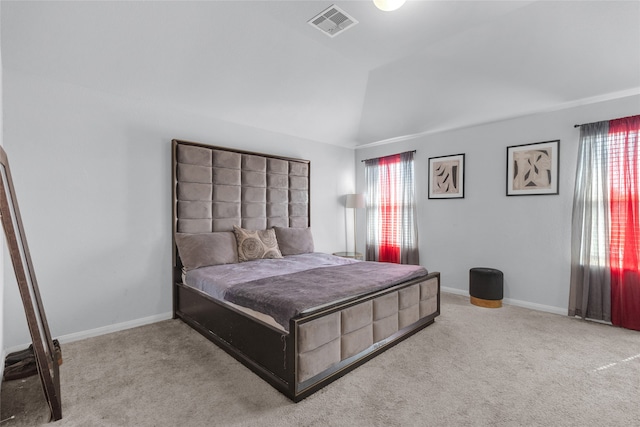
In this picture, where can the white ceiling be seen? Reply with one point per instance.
(430, 66)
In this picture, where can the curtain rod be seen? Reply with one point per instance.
(364, 160)
(584, 124)
(577, 126)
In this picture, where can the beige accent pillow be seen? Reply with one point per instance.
(256, 244)
(201, 250)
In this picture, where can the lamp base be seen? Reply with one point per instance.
(354, 255)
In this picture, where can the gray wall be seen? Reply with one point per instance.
(93, 180)
(92, 176)
(527, 237)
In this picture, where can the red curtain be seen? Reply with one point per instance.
(624, 241)
(389, 247)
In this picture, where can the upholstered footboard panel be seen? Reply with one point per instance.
(329, 340)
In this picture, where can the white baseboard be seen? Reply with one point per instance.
(77, 336)
(515, 302)
(539, 307)
(454, 291)
(114, 328)
(166, 316)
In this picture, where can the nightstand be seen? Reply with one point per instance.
(354, 255)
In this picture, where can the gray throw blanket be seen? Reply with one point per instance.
(284, 297)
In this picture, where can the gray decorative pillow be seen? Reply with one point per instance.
(294, 241)
(256, 244)
(204, 249)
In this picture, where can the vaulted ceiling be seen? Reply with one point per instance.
(429, 66)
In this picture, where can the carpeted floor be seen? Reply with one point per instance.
(472, 367)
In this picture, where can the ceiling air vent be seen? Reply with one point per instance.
(332, 21)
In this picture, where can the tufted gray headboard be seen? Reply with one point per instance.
(215, 188)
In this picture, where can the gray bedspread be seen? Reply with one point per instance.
(286, 296)
(217, 279)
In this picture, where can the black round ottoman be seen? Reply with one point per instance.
(485, 287)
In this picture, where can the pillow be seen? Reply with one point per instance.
(254, 244)
(201, 250)
(294, 241)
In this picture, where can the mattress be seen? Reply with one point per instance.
(216, 280)
(296, 285)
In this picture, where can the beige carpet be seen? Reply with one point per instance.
(474, 366)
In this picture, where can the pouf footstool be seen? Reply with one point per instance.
(486, 287)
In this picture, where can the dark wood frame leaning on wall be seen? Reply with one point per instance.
(267, 351)
(45, 353)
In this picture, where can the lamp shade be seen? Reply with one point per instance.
(388, 5)
(355, 201)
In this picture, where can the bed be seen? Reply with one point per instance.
(242, 251)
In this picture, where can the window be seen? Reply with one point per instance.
(624, 222)
(391, 222)
(605, 268)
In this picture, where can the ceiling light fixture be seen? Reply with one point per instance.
(388, 5)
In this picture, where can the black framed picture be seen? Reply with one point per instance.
(533, 169)
(446, 177)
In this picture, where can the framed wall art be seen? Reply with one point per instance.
(532, 169)
(446, 177)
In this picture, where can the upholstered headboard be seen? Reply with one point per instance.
(215, 188)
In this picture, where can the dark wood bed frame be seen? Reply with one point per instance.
(266, 350)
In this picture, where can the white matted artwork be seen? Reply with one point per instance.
(532, 169)
(446, 177)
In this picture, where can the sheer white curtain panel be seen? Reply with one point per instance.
(590, 289)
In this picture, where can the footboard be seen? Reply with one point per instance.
(322, 346)
(331, 343)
